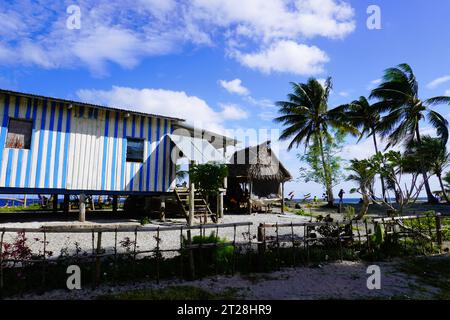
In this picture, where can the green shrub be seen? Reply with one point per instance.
(222, 254)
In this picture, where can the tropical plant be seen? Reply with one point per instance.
(363, 173)
(436, 160)
(399, 96)
(313, 171)
(306, 118)
(208, 177)
(365, 117)
(395, 166)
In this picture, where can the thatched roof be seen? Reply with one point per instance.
(258, 163)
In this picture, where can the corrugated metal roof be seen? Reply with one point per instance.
(87, 104)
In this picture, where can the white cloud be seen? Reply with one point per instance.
(286, 56)
(233, 112)
(157, 101)
(234, 86)
(267, 115)
(373, 84)
(265, 103)
(447, 92)
(344, 94)
(278, 18)
(437, 82)
(126, 32)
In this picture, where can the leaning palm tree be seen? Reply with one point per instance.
(306, 118)
(365, 116)
(437, 158)
(363, 173)
(399, 95)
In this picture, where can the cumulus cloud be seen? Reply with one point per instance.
(126, 32)
(163, 102)
(234, 86)
(233, 112)
(286, 56)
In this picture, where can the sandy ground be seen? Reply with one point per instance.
(345, 280)
(145, 240)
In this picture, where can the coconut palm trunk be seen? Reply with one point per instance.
(444, 193)
(431, 198)
(328, 182)
(383, 187)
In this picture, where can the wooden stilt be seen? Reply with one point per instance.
(55, 203)
(66, 204)
(114, 204)
(162, 209)
(282, 197)
(82, 217)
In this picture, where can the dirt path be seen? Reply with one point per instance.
(346, 280)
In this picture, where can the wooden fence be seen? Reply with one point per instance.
(269, 239)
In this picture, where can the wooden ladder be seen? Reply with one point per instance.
(201, 207)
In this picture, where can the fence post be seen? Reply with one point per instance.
(439, 231)
(97, 258)
(1, 263)
(261, 245)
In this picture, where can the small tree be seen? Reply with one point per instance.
(208, 177)
(394, 166)
(314, 171)
(363, 173)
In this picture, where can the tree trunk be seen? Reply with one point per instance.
(327, 176)
(431, 198)
(364, 207)
(383, 188)
(443, 188)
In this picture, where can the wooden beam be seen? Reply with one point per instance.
(282, 197)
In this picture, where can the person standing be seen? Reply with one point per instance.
(341, 196)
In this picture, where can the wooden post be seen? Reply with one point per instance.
(66, 203)
(162, 209)
(97, 259)
(282, 198)
(250, 187)
(220, 205)
(261, 245)
(55, 203)
(25, 200)
(439, 231)
(114, 204)
(191, 198)
(82, 217)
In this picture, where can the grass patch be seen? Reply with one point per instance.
(172, 293)
(432, 271)
(31, 207)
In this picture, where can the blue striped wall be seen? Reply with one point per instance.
(82, 149)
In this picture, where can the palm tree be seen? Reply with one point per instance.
(306, 118)
(437, 158)
(399, 95)
(363, 173)
(364, 116)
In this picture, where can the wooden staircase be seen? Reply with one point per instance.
(201, 208)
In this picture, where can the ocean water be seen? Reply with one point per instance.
(355, 200)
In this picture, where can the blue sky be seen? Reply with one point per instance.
(221, 62)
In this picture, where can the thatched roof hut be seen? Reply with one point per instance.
(255, 174)
(258, 163)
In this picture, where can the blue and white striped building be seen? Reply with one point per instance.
(50, 145)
